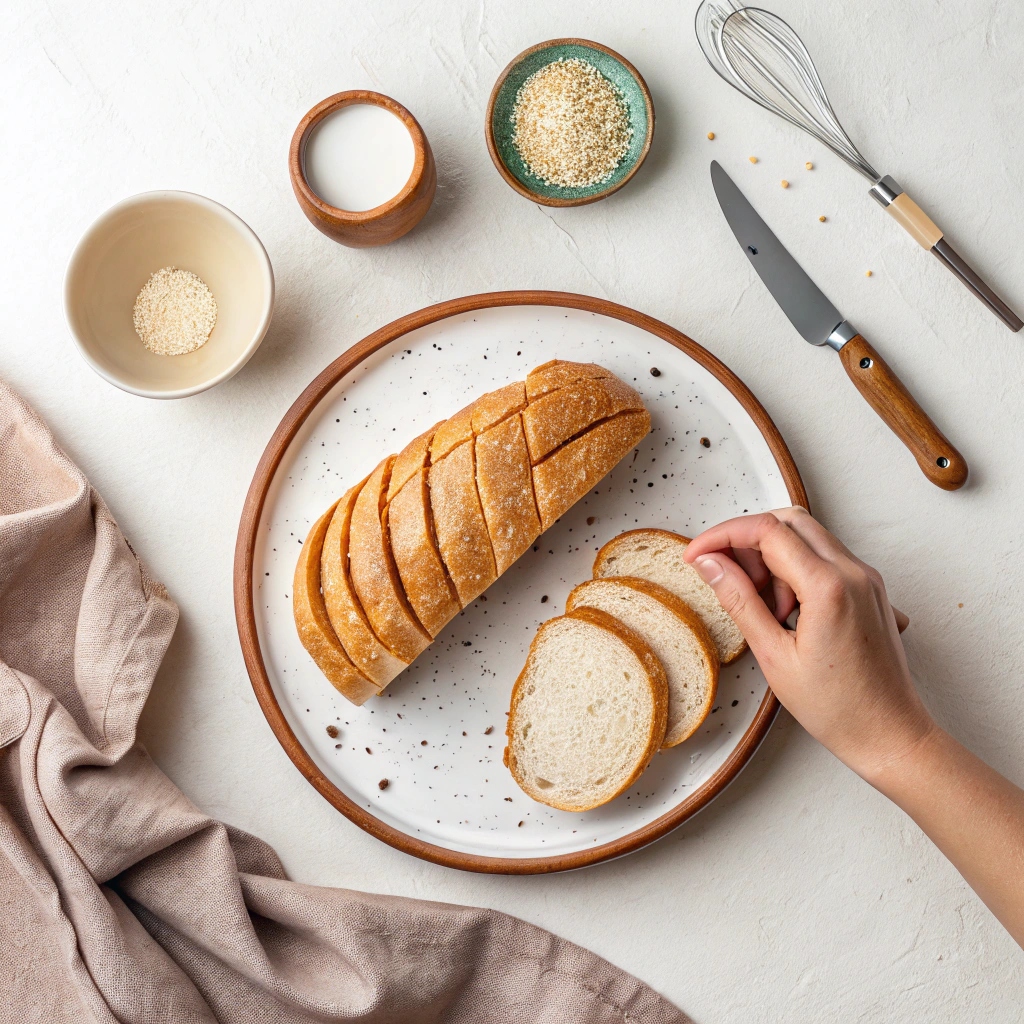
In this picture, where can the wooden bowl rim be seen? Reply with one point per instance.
(492, 148)
(245, 615)
(421, 147)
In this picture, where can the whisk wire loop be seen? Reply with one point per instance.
(761, 56)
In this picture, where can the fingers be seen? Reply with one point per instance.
(786, 554)
(902, 620)
(753, 565)
(740, 599)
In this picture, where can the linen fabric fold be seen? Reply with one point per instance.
(120, 901)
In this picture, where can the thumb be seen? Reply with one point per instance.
(738, 596)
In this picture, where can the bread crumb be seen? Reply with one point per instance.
(571, 124)
(489, 730)
(822, 218)
(705, 442)
(383, 784)
(752, 159)
(655, 372)
(711, 135)
(784, 183)
(809, 165)
(175, 312)
(867, 273)
(332, 731)
(960, 605)
(591, 520)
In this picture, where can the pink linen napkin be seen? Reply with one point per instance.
(122, 902)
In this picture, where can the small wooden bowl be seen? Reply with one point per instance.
(498, 127)
(384, 223)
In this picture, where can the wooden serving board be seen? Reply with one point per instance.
(437, 733)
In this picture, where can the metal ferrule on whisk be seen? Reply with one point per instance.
(885, 190)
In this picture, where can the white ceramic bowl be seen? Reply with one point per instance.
(114, 260)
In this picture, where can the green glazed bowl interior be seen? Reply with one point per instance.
(616, 72)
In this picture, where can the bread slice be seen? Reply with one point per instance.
(347, 617)
(459, 524)
(315, 630)
(505, 485)
(374, 575)
(570, 471)
(424, 577)
(410, 460)
(588, 711)
(674, 632)
(560, 415)
(657, 555)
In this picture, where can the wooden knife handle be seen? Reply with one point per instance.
(886, 394)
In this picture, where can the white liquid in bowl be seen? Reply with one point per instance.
(358, 157)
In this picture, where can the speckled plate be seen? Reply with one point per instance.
(437, 732)
(498, 121)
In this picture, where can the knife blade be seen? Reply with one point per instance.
(820, 323)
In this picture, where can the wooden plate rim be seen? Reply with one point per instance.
(246, 618)
(492, 147)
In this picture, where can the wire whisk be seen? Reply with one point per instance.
(761, 56)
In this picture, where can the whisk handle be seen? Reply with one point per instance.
(928, 235)
(940, 462)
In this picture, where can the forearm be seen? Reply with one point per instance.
(972, 814)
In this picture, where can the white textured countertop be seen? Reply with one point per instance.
(800, 894)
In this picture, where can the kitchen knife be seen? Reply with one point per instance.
(820, 323)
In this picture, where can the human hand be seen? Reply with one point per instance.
(841, 672)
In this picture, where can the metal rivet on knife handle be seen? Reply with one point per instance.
(940, 462)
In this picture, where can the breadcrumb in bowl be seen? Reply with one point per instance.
(581, 128)
(139, 237)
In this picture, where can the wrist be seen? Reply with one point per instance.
(895, 768)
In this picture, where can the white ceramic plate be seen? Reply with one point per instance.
(436, 734)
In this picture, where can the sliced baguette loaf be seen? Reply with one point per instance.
(434, 526)
(676, 635)
(657, 555)
(346, 613)
(588, 711)
(315, 629)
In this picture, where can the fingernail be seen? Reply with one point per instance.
(710, 569)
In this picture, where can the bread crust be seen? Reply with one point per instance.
(454, 431)
(601, 560)
(557, 373)
(571, 470)
(558, 416)
(689, 619)
(374, 575)
(655, 675)
(314, 627)
(505, 484)
(424, 577)
(490, 409)
(345, 612)
(462, 535)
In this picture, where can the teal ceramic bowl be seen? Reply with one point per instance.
(498, 127)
